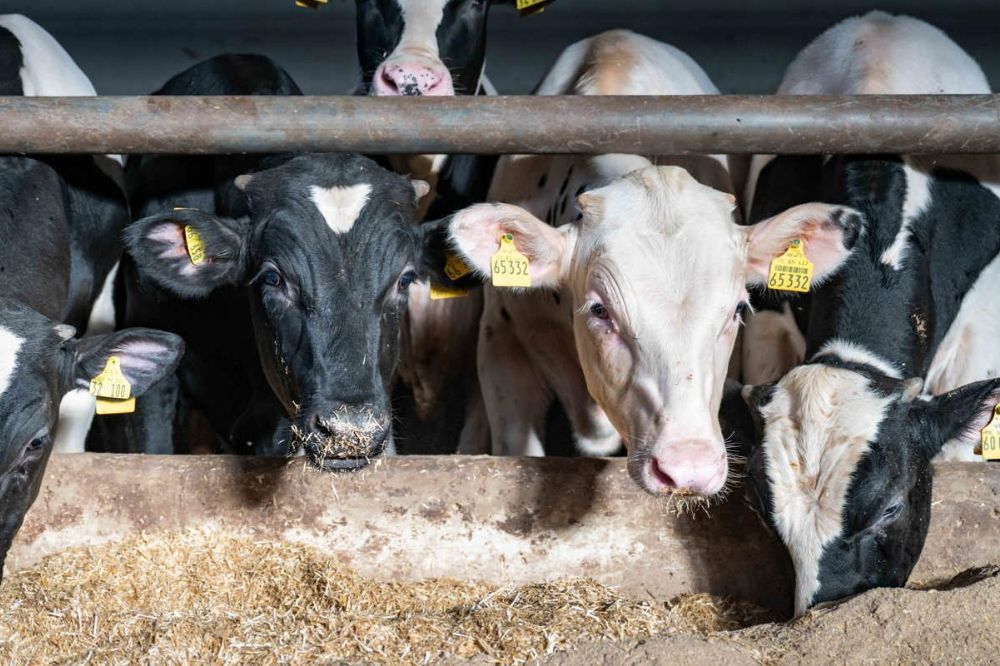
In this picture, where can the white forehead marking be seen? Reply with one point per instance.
(10, 344)
(819, 423)
(340, 206)
(420, 23)
(855, 353)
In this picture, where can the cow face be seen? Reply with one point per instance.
(422, 47)
(658, 271)
(326, 255)
(39, 363)
(842, 473)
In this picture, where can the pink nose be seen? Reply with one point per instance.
(694, 467)
(406, 78)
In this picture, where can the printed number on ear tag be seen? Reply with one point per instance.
(989, 437)
(195, 246)
(112, 390)
(509, 267)
(454, 268)
(792, 271)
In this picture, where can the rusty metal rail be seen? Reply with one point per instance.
(490, 125)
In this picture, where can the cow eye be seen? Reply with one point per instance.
(406, 279)
(271, 277)
(599, 311)
(890, 513)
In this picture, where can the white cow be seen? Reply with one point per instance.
(641, 284)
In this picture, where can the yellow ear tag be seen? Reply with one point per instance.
(509, 267)
(989, 437)
(454, 268)
(112, 390)
(195, 246)
(310, 4)
(440, 292)
(525, 7)
(792, 271)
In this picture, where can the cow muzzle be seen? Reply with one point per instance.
(692, 467)
(409, 75)
(343, 439)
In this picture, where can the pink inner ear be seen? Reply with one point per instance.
(824, 240)
(138, 356)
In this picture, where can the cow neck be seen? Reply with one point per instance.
(869, 303)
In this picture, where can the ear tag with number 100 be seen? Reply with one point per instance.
(195, 246)
(112, 390)
(792, 271)
(508, 267)
(989, 437)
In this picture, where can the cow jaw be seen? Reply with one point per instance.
(656, 277)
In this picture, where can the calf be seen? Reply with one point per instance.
(843, 473)
(32, 63)
(637, 292)
(293, 310)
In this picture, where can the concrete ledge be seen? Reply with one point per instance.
(495, 519)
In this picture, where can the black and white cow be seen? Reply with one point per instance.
(294, 312)
(842, 472)
(32, 63)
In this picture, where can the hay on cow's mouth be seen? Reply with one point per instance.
(211, 598)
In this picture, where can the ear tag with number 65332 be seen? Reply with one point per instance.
(195, 246)
(509, 267)
(792, 271)
(112, 390)
(989, 437)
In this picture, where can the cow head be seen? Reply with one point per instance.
(326, 255)
(658, 271)
(40, 362)
(422, 47)
(843, 470)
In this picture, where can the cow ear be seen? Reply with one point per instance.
(828, 234)
(145, 356)
(187, 251)
(474, 233)
(959, 414)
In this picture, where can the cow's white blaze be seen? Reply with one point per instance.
(421, 19)
(340, 206)
(10, 345)
(820, 422)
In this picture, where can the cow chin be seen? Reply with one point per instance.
(339, 444)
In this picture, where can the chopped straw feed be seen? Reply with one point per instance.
(215, 598)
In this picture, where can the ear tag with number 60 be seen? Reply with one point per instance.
(195, 246)
(989, 437)
(509, 267)
(112, 390)
(792, 271)
(454, 268)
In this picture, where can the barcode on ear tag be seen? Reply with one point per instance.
(195, 246)
(989, 437)
(792, 271)
(508, 267)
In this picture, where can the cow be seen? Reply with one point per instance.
(637, 291)
(33, 63)
(290, 297)
(436, 48)
(842, 470)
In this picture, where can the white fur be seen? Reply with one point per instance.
(340, 206)
(48, 70)
(820, 422)
(76, 413)
(855, 353)
(421, 20)
(102, 314)
(628, 247)
(10, 344)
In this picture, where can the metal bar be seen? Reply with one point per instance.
(672, 125)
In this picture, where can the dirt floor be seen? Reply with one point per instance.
(223, 599)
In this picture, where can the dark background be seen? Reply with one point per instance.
(132, 46)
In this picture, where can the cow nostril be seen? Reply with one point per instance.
(321, 426)
(661, 476)
(387, 80)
